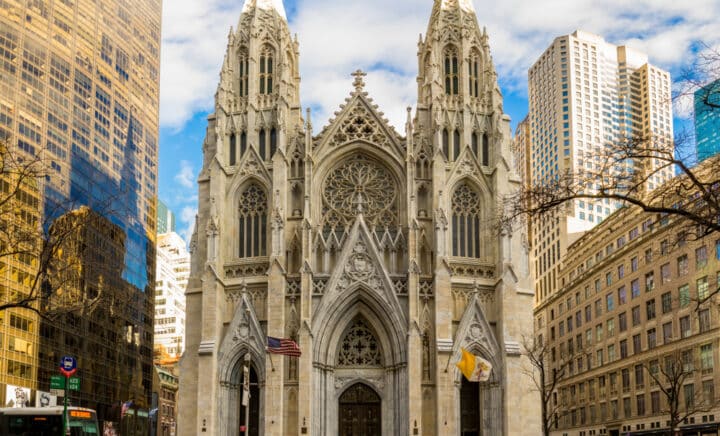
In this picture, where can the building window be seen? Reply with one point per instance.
(684, 295)
(243, 143)
(682, 265)
(707, 362)
(243, 75)
(667, 332)
(649, 281)
(622, 321)
(466, 230)
(636, 316)
(252, 227)
(609, 299)
(685, 327)
(637, 344)
(456, 145)
(666, 302)
(622, 295)
(474, 73)
(689, 394)
(266, 71)
(640, 405)
(665, 273)
(623, 349)
(635, 288)
(704, 320)
(655, 402)
(703, 291)
(446, 143)
(451, 71)
(650, 309)
(651, 339)
(701, 257)
(485, 149)
(232, 155)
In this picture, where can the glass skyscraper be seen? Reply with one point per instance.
(707, 120)
(79, 87)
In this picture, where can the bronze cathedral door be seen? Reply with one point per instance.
(360, 412)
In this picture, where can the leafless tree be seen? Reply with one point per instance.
(674, 374)
(34, 247)
(549, 368)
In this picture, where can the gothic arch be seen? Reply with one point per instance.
(235, 201)
(358, 301)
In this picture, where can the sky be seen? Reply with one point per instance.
(380, 37)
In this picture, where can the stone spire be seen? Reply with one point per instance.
(276, 5)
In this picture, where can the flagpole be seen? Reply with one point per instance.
(272, 366)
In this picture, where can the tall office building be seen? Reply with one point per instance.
(79, 87)
(707, 120)
(165, 219)
(171, 279)
(586, 94)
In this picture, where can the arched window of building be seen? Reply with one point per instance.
(485, 150)
(232, 146)
(452, 80)
(474, 73)
(456, 145)
(359, 347)
(243, 72)
(445, 143)
(252, 226)
(273, 142)
(243, 143)
(466, 213)
(266, 71)
(475, 143)
(261, 145)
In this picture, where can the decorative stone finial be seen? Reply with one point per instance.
(359, 83)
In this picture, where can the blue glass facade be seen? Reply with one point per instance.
(707, 120)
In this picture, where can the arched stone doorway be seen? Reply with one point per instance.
(470, 409)
(360, 412)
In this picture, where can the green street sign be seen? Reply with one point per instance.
(74, 384)
(57, 382)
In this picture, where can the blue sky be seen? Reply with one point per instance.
(380, 36)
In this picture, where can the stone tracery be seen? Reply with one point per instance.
(359, 347)
(359, 185)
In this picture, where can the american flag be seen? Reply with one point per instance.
(286, 347)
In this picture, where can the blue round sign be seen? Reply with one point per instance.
(68, 364)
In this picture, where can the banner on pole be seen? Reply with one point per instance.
(246, 386)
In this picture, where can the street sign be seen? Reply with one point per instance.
(57, 382)
(68, 365)
(57, 392)
(74, 383)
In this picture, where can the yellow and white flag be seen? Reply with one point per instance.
(474, 368)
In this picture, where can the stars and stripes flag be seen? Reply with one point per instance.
(286, 347)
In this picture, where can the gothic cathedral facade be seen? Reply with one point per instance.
(376, 252)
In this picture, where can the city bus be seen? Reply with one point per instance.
(47, 421)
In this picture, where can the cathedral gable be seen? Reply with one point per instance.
(359, 120)
(250, 166)
(360, 265)
(242, 335)
(475, 335)
(467, 165)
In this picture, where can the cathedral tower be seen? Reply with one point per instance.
(375, 251)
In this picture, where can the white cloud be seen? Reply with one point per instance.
(337, 37)
(187, 218)
(186, 177)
